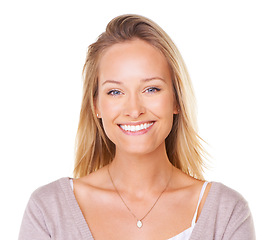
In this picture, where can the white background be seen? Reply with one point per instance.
(229, 49)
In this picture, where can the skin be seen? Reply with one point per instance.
(135, 87)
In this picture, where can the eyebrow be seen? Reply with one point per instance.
(153, 78)
(143, 80)
(111, 81)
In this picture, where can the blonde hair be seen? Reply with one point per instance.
(183, 145)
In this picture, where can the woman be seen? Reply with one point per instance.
(138, 170)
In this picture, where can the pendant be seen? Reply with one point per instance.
(139, 224)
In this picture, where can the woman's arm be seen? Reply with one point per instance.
(240, 225)
(33, 224)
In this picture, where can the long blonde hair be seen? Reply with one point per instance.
(183, 145)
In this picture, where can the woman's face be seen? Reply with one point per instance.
(135, 97)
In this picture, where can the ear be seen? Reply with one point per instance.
(96, 109)
(176, 111)
(98, 114)
(176, 107)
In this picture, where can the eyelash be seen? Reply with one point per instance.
(115, 92)
(112, 92)
(153, 88)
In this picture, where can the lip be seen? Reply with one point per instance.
(140, 132)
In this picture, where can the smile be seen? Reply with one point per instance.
(136, 128)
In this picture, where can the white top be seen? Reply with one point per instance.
(185, 235)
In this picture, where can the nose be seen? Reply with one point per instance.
(134, 106)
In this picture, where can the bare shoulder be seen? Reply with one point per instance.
(94, 183)
(95, 179)
(184, 181)
(191, 187)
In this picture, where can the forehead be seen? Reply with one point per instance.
(135, 58)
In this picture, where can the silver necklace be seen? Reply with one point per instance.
(139, 222)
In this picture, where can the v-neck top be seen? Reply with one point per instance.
(185, 235)
(53, 213)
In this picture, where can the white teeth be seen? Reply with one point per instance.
(135, 128)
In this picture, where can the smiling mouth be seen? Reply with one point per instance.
(136, 128)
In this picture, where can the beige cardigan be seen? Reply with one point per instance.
(53, 213)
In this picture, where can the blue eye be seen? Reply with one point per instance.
(114, 92)
(152, 90)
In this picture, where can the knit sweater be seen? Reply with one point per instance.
(53, 213)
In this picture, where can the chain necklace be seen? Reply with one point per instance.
(139, 222)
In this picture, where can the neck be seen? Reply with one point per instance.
(140, 174)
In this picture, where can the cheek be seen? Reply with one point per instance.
(109, 110)
(163, 105)
(107, 117)
(106, 106)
